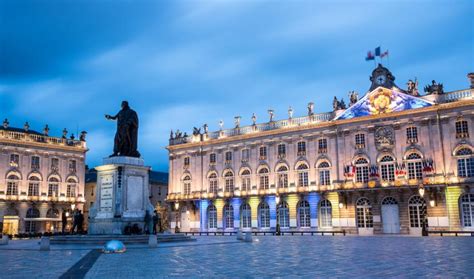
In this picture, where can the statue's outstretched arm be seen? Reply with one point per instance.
(110, 117)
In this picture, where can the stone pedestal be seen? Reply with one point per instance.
(122, 195)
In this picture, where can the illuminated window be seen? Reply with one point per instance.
(213, 184)
(264, 215)
(33, 186)
(228, 216)
(246, 216)
(30, 225)
(412, 135)
(415, 166)
(281, 150)
(322, 146)
(245, 176)
(35, 162)
(465, 162)
(71, 188)
(304, 216)
(303, 175)
(462, 130)
(387, 168)
(229, 182)
(212, 217)
(212, 158)
(360, 141)
(283, 215)
(53, 187)
(14, 160)
(301, 148)
(262, 151)
(263, 177)
(282, 174)
(416, 210)
(362, 170)
(187, 185)
(12, 185)
(364, 214)
(324, 174)
(467, 210)
(325, 214)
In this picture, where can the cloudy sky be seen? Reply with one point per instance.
(183, 64)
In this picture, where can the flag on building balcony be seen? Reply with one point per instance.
(370, 56)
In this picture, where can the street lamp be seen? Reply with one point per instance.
(424, 231)
(176, 207)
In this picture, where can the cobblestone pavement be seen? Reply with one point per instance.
(287, 256)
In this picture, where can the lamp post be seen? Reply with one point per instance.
(176, 207)
(424, 231)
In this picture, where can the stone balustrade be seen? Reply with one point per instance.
(29, 138)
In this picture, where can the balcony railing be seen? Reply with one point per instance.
(27, 137)
(458, 95)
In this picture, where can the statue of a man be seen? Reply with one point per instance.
(126, 137)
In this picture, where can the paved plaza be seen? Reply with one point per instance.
(267, 256)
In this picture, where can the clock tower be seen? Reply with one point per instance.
(381, 76)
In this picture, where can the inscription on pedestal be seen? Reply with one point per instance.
(106, 190)
(135, 193)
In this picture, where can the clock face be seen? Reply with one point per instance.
(380, 79)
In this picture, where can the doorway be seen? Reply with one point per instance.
(390, 216)
(10, 225)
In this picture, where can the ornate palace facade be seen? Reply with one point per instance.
(40, 177)
(390, 162)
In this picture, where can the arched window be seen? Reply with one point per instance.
(30, 225)
(467, 210)
(263, 177)
(212, 216)
(228, 216)
(415, 166)
(387, 168)
(229, 182)
(52, 213)
(304, 216)
(33, 186)
(324, 174)
(303, 175)
(187, 185)
(282, 174)
(246, 216)
(362, 170)
(416, 210)
(12, 185)
(389, 200)
(325, 213)
(264, 215)
(53, 187)
(465, 162)
(283, 215)
(245, 176)
(364, 213)
(213, 183)
(71, 188)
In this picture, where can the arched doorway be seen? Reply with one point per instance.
(417, 211)
(390, 216)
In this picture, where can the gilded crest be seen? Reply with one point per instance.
(384, 138)
(380, 101)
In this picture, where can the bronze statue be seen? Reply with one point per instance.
(126, 137)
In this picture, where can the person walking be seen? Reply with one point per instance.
(75, 219)
(155, 221)
(80, 222)
(146, 229)
(64, 221)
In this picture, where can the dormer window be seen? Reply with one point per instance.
(360, 141)
(412, 135)
(462, 129)
(301, 148)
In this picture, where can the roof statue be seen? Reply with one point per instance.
(434, 88)
(413, 88)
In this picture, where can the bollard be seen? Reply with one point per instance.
(240, 236)
(248, 237)
(152, 241)
(44, 244)
(4, 240)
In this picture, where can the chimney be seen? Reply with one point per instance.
(470, 76)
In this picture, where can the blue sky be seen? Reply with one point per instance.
(183, 64)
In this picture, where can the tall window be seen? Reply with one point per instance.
(53, 187)
(246, 216)
(213, 186)
(228, 216)
(415, 166)
(324, 174)
(229, 182)
(322, 146)
(303, 175)
(281, 150)
(412, 135)
(30, 225)
(362, 170)
(262, 151)
(325, 212)
(416, 210)
(264, 215)
(212, 216)
(387, 168)
(467, 210)
(212, 158)
(12, 185)
(465, 162)
(35, 162)
(14, 160)
(33, 186)
(462, 130)
(301, 148)
(71, 188)
(360, 141)
(282, 174)
(263, 177)
(54, 164)
(364, 214)
(72, 166)
(52, 213)
(283, 215)
(228, 156)
(304, 216)
(245, 155)
(186, 161)
(245, 180)
(187, 185)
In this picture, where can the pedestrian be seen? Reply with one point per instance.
(80, 222)
(146, 229)
(64, 221)
(155, 221)
(75, 219)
